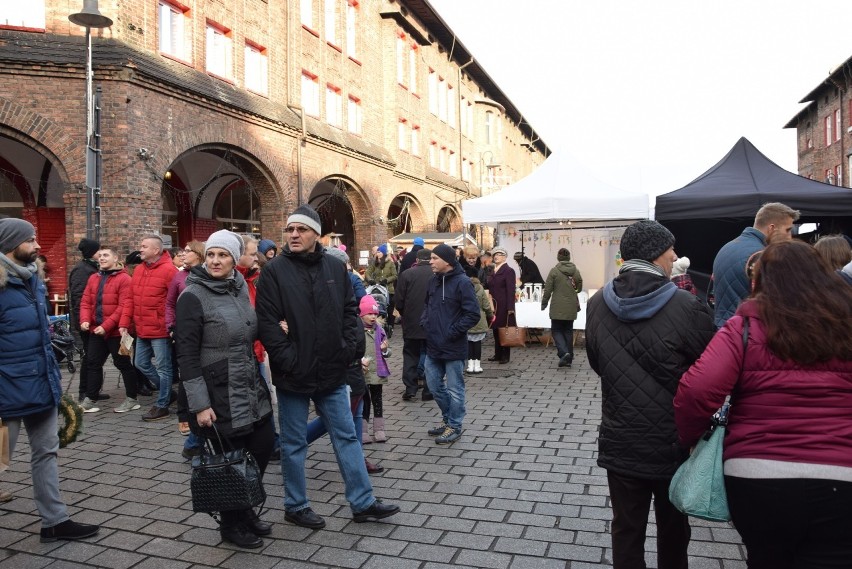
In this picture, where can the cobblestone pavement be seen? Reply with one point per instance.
(519, 490)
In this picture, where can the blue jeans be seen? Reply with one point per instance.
(316, 428)
(333, 409)
(42, 430)
(160, 370)
(449, 394)
(563, 337)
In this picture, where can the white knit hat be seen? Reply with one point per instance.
(227, 240)
(680, 266)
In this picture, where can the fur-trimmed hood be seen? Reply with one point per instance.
(4, 273)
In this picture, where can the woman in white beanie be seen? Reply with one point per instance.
(215, 333)
(680, 277)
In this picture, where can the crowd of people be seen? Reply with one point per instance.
(229, 329)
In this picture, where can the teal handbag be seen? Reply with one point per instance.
(698, 487)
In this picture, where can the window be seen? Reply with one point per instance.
(400, 58)
(829, 176)
(433, 92)
(306, 10)
(415, 140)
(331, 21)
(837, 126)
(171, 31)
(463, 116)
(453, 163)
(237, 209)
(333, 106)
(465, 170)
(469, 119)
(351, 19)
(310, 94)
(354, 115)
(838, 175)
(442, 99)
(403, 134)
(219, 52)
(257, 69)
(489, 127)
(433, 154)
(828, 137)
(28, 14)
(412, 68)
(451, 106)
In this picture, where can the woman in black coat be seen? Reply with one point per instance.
(501, 285)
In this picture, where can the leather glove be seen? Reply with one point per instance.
(371, 282)
(383, 282)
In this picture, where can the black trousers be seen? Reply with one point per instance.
(474, 350)
(97, 350)
(501, 353)
(259, 443)
(631, 502)
(84, 366)
(411, 348)
(797, 523)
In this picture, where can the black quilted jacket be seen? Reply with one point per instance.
(642, 334)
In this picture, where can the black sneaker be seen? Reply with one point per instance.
(68, 530)
(434, 432)
(427, 396)
(306, 518)
(240, 536)
(409, 396)
(375, 512)
(189, 453)
(275, 457)
(450, 435)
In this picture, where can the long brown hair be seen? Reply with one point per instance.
(805, 305)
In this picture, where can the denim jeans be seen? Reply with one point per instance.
(449, 394)
(42, 430)
(563, 332)
(160, 370)
(333, 409)
(316, 428)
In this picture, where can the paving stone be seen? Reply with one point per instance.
(521, 562)
(116, 559)
(488, 559)
(575, 552)
(340, 557)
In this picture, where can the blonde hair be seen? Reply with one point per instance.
(774, 212)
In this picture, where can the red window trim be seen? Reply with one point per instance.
(310, 30)
(22, 29)
(217, 26)
(256, 46)
(175, 4)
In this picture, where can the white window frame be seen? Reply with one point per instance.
(442, 160)
(172, 20)
(453, 163)
(451, 106)
(442, 99)
(433, 154)
(489, 127)
(256, 69)
(469, 119)
(354, 116)
(402, 134)
(415, 140)
(400, 60)
(333, 106)
(219, 52)
(24, 14)
(331, 22)
(412, 69)
(310, 94)
(433, 92)
(465, 170)
(306, 13)
(352, 29)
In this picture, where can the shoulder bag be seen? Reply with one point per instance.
(698, 487)
(512, 336)
(227, 481)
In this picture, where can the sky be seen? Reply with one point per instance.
(650, 94)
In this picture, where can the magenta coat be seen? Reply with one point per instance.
(501, 285)
(779, 410)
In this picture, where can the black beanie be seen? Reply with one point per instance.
(645, 240)
(133, 258)
(563, 255)
(446, 253)
(88, 247)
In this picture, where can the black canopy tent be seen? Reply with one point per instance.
(715, 207)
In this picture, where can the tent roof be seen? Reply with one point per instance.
(743, 181)
(559, 189)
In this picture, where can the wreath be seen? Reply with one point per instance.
(71, 419)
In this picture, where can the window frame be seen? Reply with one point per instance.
(333, 105)
(256, 57)
(354, 112)
(312, 95)
(178, 46)
(221, 35)
(29, 15)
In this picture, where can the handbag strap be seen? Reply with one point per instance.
(720, 417)
(218, 436)
(507, 317)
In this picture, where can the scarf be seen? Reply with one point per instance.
(641, 266)
(23, 272)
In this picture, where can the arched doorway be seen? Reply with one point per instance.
(400, 215)
(448, 220)
(330, 197)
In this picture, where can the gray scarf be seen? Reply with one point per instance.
(24, 273)
(641, 266)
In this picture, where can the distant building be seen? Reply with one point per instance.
(824, 129)
(229, 114)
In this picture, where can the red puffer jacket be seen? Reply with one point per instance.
(116, 299)
(780, 410)
(251, 276)
(150, 286)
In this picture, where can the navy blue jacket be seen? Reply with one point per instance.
(451, 310)
(30, 381)
(730, 282)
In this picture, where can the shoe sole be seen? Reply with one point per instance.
(92, 410)
(304, 525)
(437, 442)
(68, 538)
(134, 408)
(364, 518)
(152, 419)
(259, 543)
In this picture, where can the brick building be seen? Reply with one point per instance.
(824, 129)
(216, 114)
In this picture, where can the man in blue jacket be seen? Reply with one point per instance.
(773, 222)
(30, 382)
(451, 310)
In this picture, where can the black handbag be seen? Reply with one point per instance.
(227, 481)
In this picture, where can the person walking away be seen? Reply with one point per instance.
(773, 222)
(410, 258)
(215, 336)
(680, 276)
(78, 278)
(107, 296)
(410, 300)
(30, 381)
(376, 371)
(476, 334)
(153, 355)
(312, 293)
(560, 291)
(642, 334)
(786, 361)
(501, 286)
(451, 310)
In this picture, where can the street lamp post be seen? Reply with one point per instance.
(90, 18)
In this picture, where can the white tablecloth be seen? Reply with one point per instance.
(530, 315)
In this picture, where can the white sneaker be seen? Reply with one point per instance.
(89, 406)
(128, 405)
(477, 366)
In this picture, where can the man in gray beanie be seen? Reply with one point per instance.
(30, 381)
(642, 334)
(311, 291)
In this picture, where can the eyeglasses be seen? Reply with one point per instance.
(188, 251)
(498, 254)
(300, 228)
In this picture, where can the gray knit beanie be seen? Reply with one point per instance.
(645, 240)
(13, 232)
(227, 240)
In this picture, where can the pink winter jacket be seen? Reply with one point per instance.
(780, 410)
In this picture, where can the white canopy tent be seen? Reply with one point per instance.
(561, 205)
